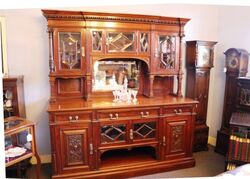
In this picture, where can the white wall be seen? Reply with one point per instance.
(27, 41)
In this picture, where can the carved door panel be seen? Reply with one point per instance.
(176, 137)
(166, 54)
(74, 148)
(69, 51)
(202, 84)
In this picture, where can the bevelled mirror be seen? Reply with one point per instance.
(109, 74)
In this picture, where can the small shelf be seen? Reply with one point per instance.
(128, 157)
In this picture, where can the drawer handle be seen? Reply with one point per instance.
(73, 119)
(164, 141)
(144, 116)
(113, 118)
(178, 112)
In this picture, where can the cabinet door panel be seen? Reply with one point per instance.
(145, 130)
(114, 133)
(176, 137)
(69, 50)
(73, 145)
(202, 83)
(166, 55)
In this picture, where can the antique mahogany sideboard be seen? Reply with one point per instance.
(91, 135)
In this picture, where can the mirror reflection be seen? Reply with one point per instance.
(110, 74)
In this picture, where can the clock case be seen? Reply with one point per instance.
(232, 74)
(199, 61)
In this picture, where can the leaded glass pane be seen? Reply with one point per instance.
(167, 45)
(70, 50)
(97, 40)
(144, 42)
(120, 42)
(113, 133)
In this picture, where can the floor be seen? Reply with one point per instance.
(208, 164)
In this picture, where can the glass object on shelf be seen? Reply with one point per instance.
(97, 40)
(70, 50)
(167, 49)
(144, 42)
(109, 75)
(120, 42)
(113, 133)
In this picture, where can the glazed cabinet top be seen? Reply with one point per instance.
(97, 36)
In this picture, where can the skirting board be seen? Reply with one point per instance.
(47, 158)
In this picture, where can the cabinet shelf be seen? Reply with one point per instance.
(127, 157)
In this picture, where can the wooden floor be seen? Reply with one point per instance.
(208, 164)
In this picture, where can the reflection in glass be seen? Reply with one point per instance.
(70, 50)
(110, 74)
(167, 46)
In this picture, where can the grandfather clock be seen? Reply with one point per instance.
(199, 61)
(236, 65)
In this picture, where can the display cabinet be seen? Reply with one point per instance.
(236, 65)
(20, 141)
(114, 111)
(199, 61)
(13, 96)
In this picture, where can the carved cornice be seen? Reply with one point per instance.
(112, 17)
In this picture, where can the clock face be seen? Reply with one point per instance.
(203, 58)
(232, 61)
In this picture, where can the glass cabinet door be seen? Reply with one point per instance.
(144, 130)
(167, 51)
(113, 133)
(70, 50)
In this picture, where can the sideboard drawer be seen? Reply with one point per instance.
(177, 110)
(72, 116)
(114, 114)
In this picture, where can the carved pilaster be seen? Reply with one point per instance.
(180, 74)
(51, 50)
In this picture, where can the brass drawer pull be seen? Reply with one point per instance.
(73, 119)
(144, 115)
(178, 112)
(113, 118)
(164, 141)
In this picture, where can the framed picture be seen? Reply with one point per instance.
(3, 46)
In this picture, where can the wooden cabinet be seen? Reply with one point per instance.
(93, 135)
(199, 60)
(90, 138)
(20, 142)
(13, 96)
(236, 65)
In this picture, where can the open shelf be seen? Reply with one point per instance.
(126, 157)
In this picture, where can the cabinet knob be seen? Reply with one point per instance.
(76, 118)
(70, 118)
